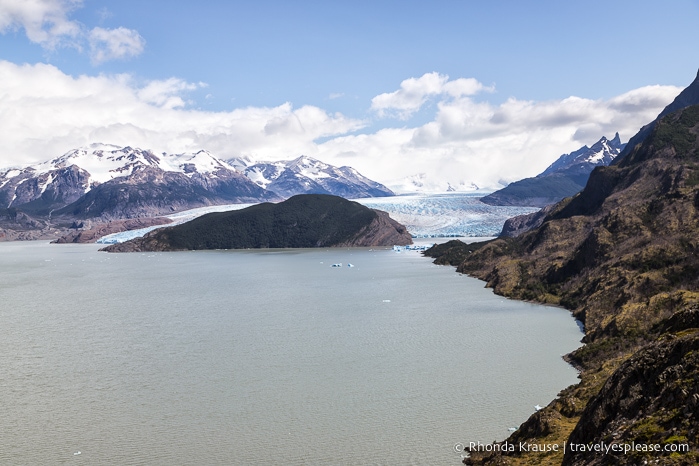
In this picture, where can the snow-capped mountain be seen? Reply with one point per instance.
(115, 182)
(105, 162)
(106, 181)
(583, 160)
(565, 177)
(306, 175)
(424, 184)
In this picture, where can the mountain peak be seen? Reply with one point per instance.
(564, 177)
(600, 153)
(616, 140)
(306, 175)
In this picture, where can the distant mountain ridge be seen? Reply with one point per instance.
(582, 161)
(109, 182)
(563, 178)
(306, 175)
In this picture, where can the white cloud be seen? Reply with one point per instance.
(111, 44)
(47, 23)
(414, 92)
(167, 93)
(44, 21)
(44, 113)
(487, 144)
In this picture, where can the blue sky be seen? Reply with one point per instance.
(472, 92)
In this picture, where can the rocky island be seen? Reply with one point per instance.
(302, 221)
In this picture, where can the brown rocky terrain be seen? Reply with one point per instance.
(623, 256)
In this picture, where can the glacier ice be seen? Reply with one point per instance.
(425, 215)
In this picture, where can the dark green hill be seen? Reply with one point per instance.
(623, 255)
(303, 221)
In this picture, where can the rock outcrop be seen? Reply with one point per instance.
(652, 399)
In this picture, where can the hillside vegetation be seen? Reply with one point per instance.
(623, 256)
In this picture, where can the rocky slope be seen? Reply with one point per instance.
(623, 255)
(563, 178)
(303, 221)
(688, 97)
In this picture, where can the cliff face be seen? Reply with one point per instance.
(303, 221)
(623, 255)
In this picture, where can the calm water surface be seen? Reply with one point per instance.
(262, 357)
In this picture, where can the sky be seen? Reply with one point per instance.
(461, 92)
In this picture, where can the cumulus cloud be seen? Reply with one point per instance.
(44, 21)
(167, 93)
(414, 92)
(489, 145)
(111, 44)
(48, 23)
(45, 112)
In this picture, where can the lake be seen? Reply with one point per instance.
(263, 357)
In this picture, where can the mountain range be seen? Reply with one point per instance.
(563, 178)
(305, 175)
(105, 182)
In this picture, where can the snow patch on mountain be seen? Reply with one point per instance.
(105, 162)
(601, 153)
(305, 175)
(423, 184)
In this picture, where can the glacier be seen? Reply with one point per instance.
(424, 215)
(446, 215)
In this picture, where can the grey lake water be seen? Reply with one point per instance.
(262, 357)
